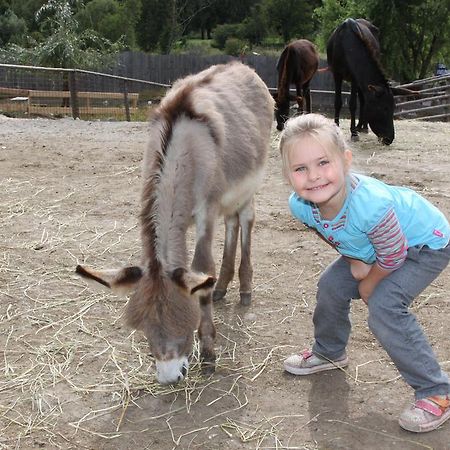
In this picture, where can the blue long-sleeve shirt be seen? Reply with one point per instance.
(377, 222)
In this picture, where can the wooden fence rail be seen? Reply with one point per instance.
(433, 104)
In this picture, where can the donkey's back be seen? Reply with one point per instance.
(225, 114)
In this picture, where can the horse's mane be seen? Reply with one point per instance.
(373, 51)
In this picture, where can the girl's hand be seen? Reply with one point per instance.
(359, 269)
(365, 290)
(370, 282)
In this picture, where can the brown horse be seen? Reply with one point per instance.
(297, 65)
(209, 140)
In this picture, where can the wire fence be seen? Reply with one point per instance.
(27, 91)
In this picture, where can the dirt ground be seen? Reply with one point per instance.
(74, 377)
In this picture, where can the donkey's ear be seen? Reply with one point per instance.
(119, 280)
(191, 282)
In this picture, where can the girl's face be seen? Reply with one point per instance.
(318, 175)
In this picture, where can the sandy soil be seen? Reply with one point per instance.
(74, 377)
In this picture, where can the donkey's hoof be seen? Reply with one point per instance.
(208, 363)
(246, 298)
(219, 294)
(355, 137)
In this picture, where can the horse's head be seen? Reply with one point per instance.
(165, 308)
(379, 112)
(282, 108)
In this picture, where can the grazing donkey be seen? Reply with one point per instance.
(208, 146)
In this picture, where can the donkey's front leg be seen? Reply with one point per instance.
(207, 335)
(246, 220)
(228, 258)
(203, 262)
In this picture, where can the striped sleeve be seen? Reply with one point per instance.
(389, 242)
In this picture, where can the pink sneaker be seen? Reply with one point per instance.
(426, 414)
(307, 363)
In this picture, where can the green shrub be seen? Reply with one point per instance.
(223, 32)
(235, 46)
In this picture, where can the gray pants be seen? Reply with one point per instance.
(390, 319)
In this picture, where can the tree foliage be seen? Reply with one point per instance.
(64, 45)
(414, 34)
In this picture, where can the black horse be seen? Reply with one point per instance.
(297, 65)
(353, 54)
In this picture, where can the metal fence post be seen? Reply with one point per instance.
(73, 94)
(125, 100)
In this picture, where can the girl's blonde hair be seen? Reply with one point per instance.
(317, 126)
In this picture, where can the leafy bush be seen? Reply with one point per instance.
(223, 32)
(235, 46)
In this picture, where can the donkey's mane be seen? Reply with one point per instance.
(180, 105)
(373, 52)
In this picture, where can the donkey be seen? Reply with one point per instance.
(208, 147)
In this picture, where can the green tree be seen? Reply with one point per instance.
(111, 19)
(255, 26)
(332, 13)
(414, 35)
(64, 45)
(12, 28)
(292, 18)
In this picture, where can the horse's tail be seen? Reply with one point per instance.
(283, 73)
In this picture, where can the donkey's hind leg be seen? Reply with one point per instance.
(229, 256)
(246, 220)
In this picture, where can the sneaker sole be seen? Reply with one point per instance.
(425, 428)
(319, 368)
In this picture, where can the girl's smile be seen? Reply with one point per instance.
(318, 174)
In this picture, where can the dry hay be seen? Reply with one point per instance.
(74, 377)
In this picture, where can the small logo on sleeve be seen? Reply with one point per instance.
(438, 233)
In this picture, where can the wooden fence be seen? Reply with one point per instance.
(46, 91)
(433, 102)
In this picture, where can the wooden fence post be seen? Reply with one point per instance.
(73, 94)
(125, 101)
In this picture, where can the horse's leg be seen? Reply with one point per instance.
(337, 98)
(246, 220)
(307, 96)
(352, 105)
(203, 262)
(229, 256)
(362, 123)
(298, 87)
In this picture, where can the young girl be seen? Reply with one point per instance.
(393, 243)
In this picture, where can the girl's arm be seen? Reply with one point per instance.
(391, 248)
(368, 284)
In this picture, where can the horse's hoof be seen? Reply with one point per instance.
(355, 138)
(246, 298)
(219, 294)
